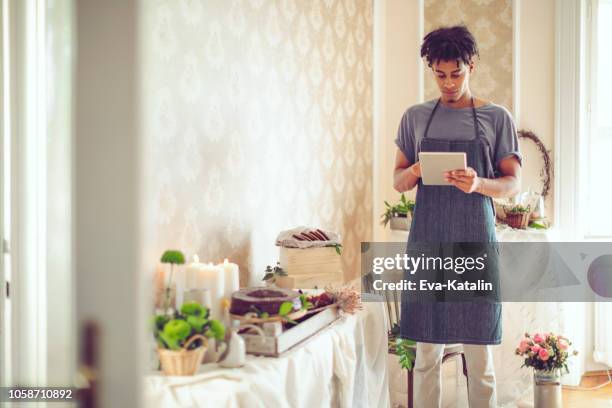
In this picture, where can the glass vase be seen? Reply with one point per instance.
(547, 389)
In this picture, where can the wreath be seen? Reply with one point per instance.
(546, 172)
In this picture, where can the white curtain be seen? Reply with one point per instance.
(603, 333)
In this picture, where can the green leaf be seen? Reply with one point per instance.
(264, 315)
(338, 249)
(305, 303)
(288, 320)
(268, 276)
(536, 225)
(285, 308)
(405, 352)
(173, 256)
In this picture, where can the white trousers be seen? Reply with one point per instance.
(428, 376)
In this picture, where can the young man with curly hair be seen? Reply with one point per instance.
(462, 212)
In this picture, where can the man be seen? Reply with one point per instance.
(463, 212)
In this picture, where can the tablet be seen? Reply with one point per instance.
(434, 164)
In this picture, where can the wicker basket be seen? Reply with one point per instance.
(182, 362)
(517, 220)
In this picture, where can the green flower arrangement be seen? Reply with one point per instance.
(172, 257)
(173, 331)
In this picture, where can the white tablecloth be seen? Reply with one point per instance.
(344, 365)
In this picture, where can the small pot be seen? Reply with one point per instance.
(547, 389)
(517, 220)
(401, 222)
(184, 361)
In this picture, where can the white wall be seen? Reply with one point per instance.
(536, 85)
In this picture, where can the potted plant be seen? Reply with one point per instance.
(182, 338)
(517, 216)
(400, 215)
(547, 353)
(172, 257)
(273, 273)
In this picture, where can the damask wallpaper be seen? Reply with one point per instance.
(257, 116)
(490, 21)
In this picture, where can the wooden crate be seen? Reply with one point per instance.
(276, 341)
(310, 281)
(309, 261)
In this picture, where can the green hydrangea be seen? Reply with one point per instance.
(175, 331)
(194, 309)
(216, 330)
(197, 323)
(173, 256)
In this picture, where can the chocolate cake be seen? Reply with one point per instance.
(264, 299)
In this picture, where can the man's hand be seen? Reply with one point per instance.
(465, 180)
(416, 169)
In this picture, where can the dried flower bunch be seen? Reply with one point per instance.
(347, 299)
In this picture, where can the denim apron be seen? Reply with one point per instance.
(442, 215)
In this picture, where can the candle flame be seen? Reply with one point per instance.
(196, 258)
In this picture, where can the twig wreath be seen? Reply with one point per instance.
(546, 172)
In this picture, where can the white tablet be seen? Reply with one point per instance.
(434, 164)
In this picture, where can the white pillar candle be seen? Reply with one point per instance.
(201, 296)
(207, 276)
(192, 273)
(212, 278)
(232, 277)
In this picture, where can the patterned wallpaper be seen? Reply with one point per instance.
(490, 21)
(257, 118)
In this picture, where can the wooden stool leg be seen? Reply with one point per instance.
(410, 388)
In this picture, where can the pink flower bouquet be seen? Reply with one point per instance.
(545, 351)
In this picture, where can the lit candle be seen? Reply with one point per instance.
(192, 273)
(210, 277)
(232, 278)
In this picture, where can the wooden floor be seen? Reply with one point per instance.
(601, 398)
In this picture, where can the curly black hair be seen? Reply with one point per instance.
(449, 43)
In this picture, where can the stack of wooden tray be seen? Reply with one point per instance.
(310, 267)
(276, 341)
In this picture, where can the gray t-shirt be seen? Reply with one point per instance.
(458, 124)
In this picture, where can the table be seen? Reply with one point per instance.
(344, 365)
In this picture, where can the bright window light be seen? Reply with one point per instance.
(599, 190)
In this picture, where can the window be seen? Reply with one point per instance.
(599, 121)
